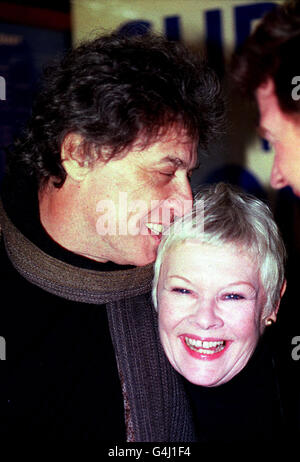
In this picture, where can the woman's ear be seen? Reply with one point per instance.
(273, 316)
(73, 157)
(282, 291)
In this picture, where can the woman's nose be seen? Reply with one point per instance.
(207, 315)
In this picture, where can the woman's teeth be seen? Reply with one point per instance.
(205, 347)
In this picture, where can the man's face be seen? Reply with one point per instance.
(210, 303)
(283, 133)
(127, 201)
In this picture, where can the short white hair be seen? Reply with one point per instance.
(234, 217)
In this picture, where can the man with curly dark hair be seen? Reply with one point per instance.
(267, 67)
(103, 166)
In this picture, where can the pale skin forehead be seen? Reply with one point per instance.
(196, 246)
(173, 260)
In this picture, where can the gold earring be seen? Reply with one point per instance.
(269, 322)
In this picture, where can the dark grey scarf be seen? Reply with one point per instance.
(159, 410)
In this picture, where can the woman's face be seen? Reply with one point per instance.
(283, 132)
(210, 302)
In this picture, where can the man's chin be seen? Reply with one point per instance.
(146, 258)
(139, 251)
(144, 261)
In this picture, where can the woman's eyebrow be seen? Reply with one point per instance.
(240, 283)
(179, 277)
(227, 286)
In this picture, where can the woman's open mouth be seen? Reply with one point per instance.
(207, 349)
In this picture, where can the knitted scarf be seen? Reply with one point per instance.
(156, 401)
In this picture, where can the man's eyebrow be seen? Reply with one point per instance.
(177, 162)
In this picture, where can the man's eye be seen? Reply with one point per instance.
(180, 290)
(170, 174)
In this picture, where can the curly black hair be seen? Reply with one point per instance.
(111, 91)
(272, 51)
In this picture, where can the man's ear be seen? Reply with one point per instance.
(73, 157)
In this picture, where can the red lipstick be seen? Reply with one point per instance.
(206, 349)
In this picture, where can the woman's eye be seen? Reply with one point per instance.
(180, 290)
(266, 136)
(233, 297)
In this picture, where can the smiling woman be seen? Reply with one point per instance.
(218, 283)
(210, 310)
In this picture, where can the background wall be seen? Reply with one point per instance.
(31, 34)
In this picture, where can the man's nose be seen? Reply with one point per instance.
(277, 180)
(206, 315)
(180, 200)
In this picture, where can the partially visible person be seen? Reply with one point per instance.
(219, 278)
(267, 67)
(103, 166)
(267, 70)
